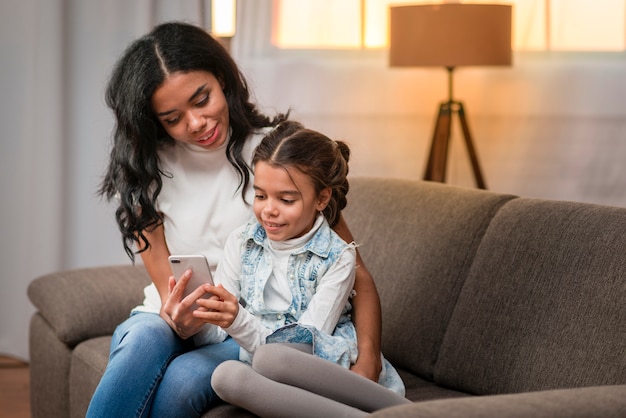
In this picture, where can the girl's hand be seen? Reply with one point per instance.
(178, 311)
(221, 309)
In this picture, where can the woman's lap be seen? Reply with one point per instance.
(147, 361)
(185, 390)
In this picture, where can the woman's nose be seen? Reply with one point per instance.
(195, 122)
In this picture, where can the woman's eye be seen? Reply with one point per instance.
(203, 101)
(171, 121)
(259, 196)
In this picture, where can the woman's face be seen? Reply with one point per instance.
(192, 108)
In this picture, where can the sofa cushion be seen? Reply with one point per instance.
(102, 297)
(603, 401)
(89, 359)
(418, 262)
(419, 390)
(49, 365)
(541, 306)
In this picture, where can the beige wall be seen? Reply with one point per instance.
(552, 126)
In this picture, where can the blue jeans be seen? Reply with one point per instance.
(153, 372)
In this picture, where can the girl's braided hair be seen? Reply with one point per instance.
(322, 159)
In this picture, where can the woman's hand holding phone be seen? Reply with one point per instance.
(185, 288)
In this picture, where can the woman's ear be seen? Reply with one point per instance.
(324, 198)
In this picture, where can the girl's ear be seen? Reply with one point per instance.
(323, 199)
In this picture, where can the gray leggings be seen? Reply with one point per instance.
(286, 380)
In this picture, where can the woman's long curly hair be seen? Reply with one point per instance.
(320, 158)
(133, 175)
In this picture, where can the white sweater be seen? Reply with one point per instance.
(201, 203)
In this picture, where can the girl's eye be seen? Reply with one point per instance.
(288, 201)
(259, 196)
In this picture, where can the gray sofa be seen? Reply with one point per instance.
(493, 306)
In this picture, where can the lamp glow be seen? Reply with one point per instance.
(450, 35)
(223, 18)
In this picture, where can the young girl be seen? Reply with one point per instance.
(287, 278)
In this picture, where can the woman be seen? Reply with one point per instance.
(183, 142)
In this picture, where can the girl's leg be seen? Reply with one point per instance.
(237, 383)
(291, 365)
(185, 390)
(141, 348)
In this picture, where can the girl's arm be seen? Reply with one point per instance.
(366, 315)
(323, 312)
(175, 310)
(224, 310)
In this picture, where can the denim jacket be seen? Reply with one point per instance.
(307, 265)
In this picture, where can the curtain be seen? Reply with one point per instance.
(55, 58)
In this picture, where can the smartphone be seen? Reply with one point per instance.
(198, 265)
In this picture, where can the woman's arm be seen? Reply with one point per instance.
(175, 310)
(155, 260)
(366, 314)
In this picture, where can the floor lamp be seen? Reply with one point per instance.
(450, 35)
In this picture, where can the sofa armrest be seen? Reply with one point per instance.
(85, 303)
(597, 401)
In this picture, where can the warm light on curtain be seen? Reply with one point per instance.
(223, 18)
(587, 25)
(318, 23)
(538, 25)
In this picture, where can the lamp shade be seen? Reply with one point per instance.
(450, 35)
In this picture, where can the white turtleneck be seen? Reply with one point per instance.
(200, 202)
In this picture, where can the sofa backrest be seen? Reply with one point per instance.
(544, 303)
(418, 239)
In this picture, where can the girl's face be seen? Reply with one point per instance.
(285, 202)
(192, 108)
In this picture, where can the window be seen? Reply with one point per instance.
(317, 24)
(539, 25)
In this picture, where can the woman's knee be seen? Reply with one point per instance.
(145, 334)
(192, 371)
(185, 389)
(146, 323)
